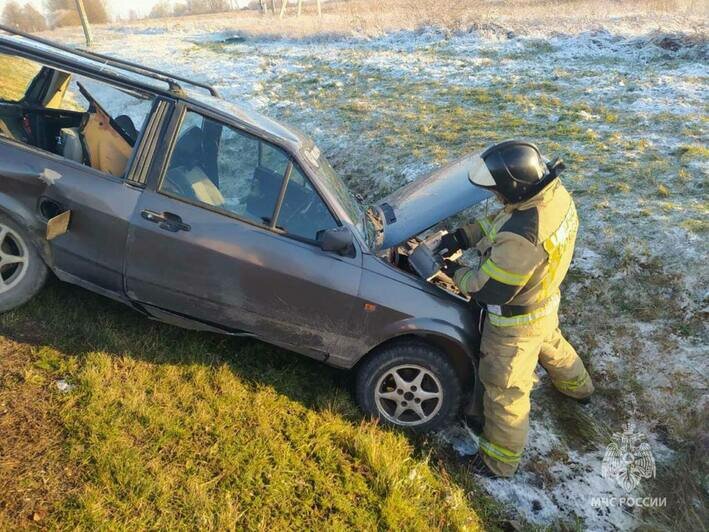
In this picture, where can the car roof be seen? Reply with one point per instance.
(160, 85)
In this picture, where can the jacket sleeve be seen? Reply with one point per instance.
(512, 261)
(478, 229)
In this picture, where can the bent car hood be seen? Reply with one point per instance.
(426, 201)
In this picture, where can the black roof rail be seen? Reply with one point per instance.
(135, 68)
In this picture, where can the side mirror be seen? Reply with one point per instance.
(338, 239)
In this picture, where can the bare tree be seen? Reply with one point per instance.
(161, 10)
(34, 20)
(23, 18)
(12, 15)
(64, 13)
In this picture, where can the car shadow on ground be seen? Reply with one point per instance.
(76, 323)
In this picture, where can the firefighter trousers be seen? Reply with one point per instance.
(508, 359)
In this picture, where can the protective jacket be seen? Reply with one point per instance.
(525, 249)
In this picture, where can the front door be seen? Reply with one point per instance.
(204, 244)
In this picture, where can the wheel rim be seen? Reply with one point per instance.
(13, 258)
(408, 395)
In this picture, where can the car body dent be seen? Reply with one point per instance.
(415, 207)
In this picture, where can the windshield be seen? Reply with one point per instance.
(339, 189)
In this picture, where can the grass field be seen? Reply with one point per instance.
(16, 73)
(168, 429)
(163, 428)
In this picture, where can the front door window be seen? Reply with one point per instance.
(233, 171)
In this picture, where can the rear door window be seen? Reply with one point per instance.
(78, 118)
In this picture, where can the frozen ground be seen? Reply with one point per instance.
(627, 109)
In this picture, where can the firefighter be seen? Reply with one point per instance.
(525, 251)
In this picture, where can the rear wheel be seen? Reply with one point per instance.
(22, 270)
(411, 385)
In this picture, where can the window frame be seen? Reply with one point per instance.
(181, 109)
(130, 165)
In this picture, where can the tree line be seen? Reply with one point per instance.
(59, 13)
(64, 13)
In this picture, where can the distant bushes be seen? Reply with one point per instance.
(60, 13)
(25, 18)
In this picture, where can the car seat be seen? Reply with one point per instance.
(126, 124)
(186, 177)
(71, 145)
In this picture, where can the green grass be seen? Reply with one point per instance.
(16, 76)
(171, 429)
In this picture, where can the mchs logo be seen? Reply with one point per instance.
(628, 459)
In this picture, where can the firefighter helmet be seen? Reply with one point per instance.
(516, 170)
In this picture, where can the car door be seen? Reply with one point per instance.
(91, 252)
(205, 244)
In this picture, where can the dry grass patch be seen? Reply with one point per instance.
(15, 75)
(35, 473)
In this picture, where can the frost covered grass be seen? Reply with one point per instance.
(624, 106)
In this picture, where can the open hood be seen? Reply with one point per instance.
(423, 203)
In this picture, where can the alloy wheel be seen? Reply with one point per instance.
(408, 395)
(13, 258)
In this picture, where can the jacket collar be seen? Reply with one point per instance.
(543, 196)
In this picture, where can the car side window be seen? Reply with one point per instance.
(232, 170)
(303, 213)
(78, 118)
(227, 168)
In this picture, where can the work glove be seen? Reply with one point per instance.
(452, 242)
(449, 267)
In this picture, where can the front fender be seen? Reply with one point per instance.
(431, 327)
(459, 344)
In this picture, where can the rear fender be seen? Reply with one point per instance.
(26, 218)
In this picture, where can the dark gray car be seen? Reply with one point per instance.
(209, 216)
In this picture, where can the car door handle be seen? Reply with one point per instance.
(165, 220)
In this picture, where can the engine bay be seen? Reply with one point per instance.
(417, 257)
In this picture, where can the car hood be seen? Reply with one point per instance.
(426, 201)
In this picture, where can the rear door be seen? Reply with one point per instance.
(204, 243)
(92, 251)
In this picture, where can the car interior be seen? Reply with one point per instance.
(42, 119)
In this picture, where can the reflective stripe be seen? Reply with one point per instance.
(487, 228)
(499, 453)
(572, 384)
(504, 276)
(559, 247)
(569, 226)
(524, 319)
(464, 280)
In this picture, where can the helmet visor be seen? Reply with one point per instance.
(480, 175)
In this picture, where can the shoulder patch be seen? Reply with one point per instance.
(524, 223)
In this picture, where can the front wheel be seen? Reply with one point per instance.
(411, 385)
(22, 270)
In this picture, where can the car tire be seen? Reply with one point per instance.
(22, 270)
(412, 385)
